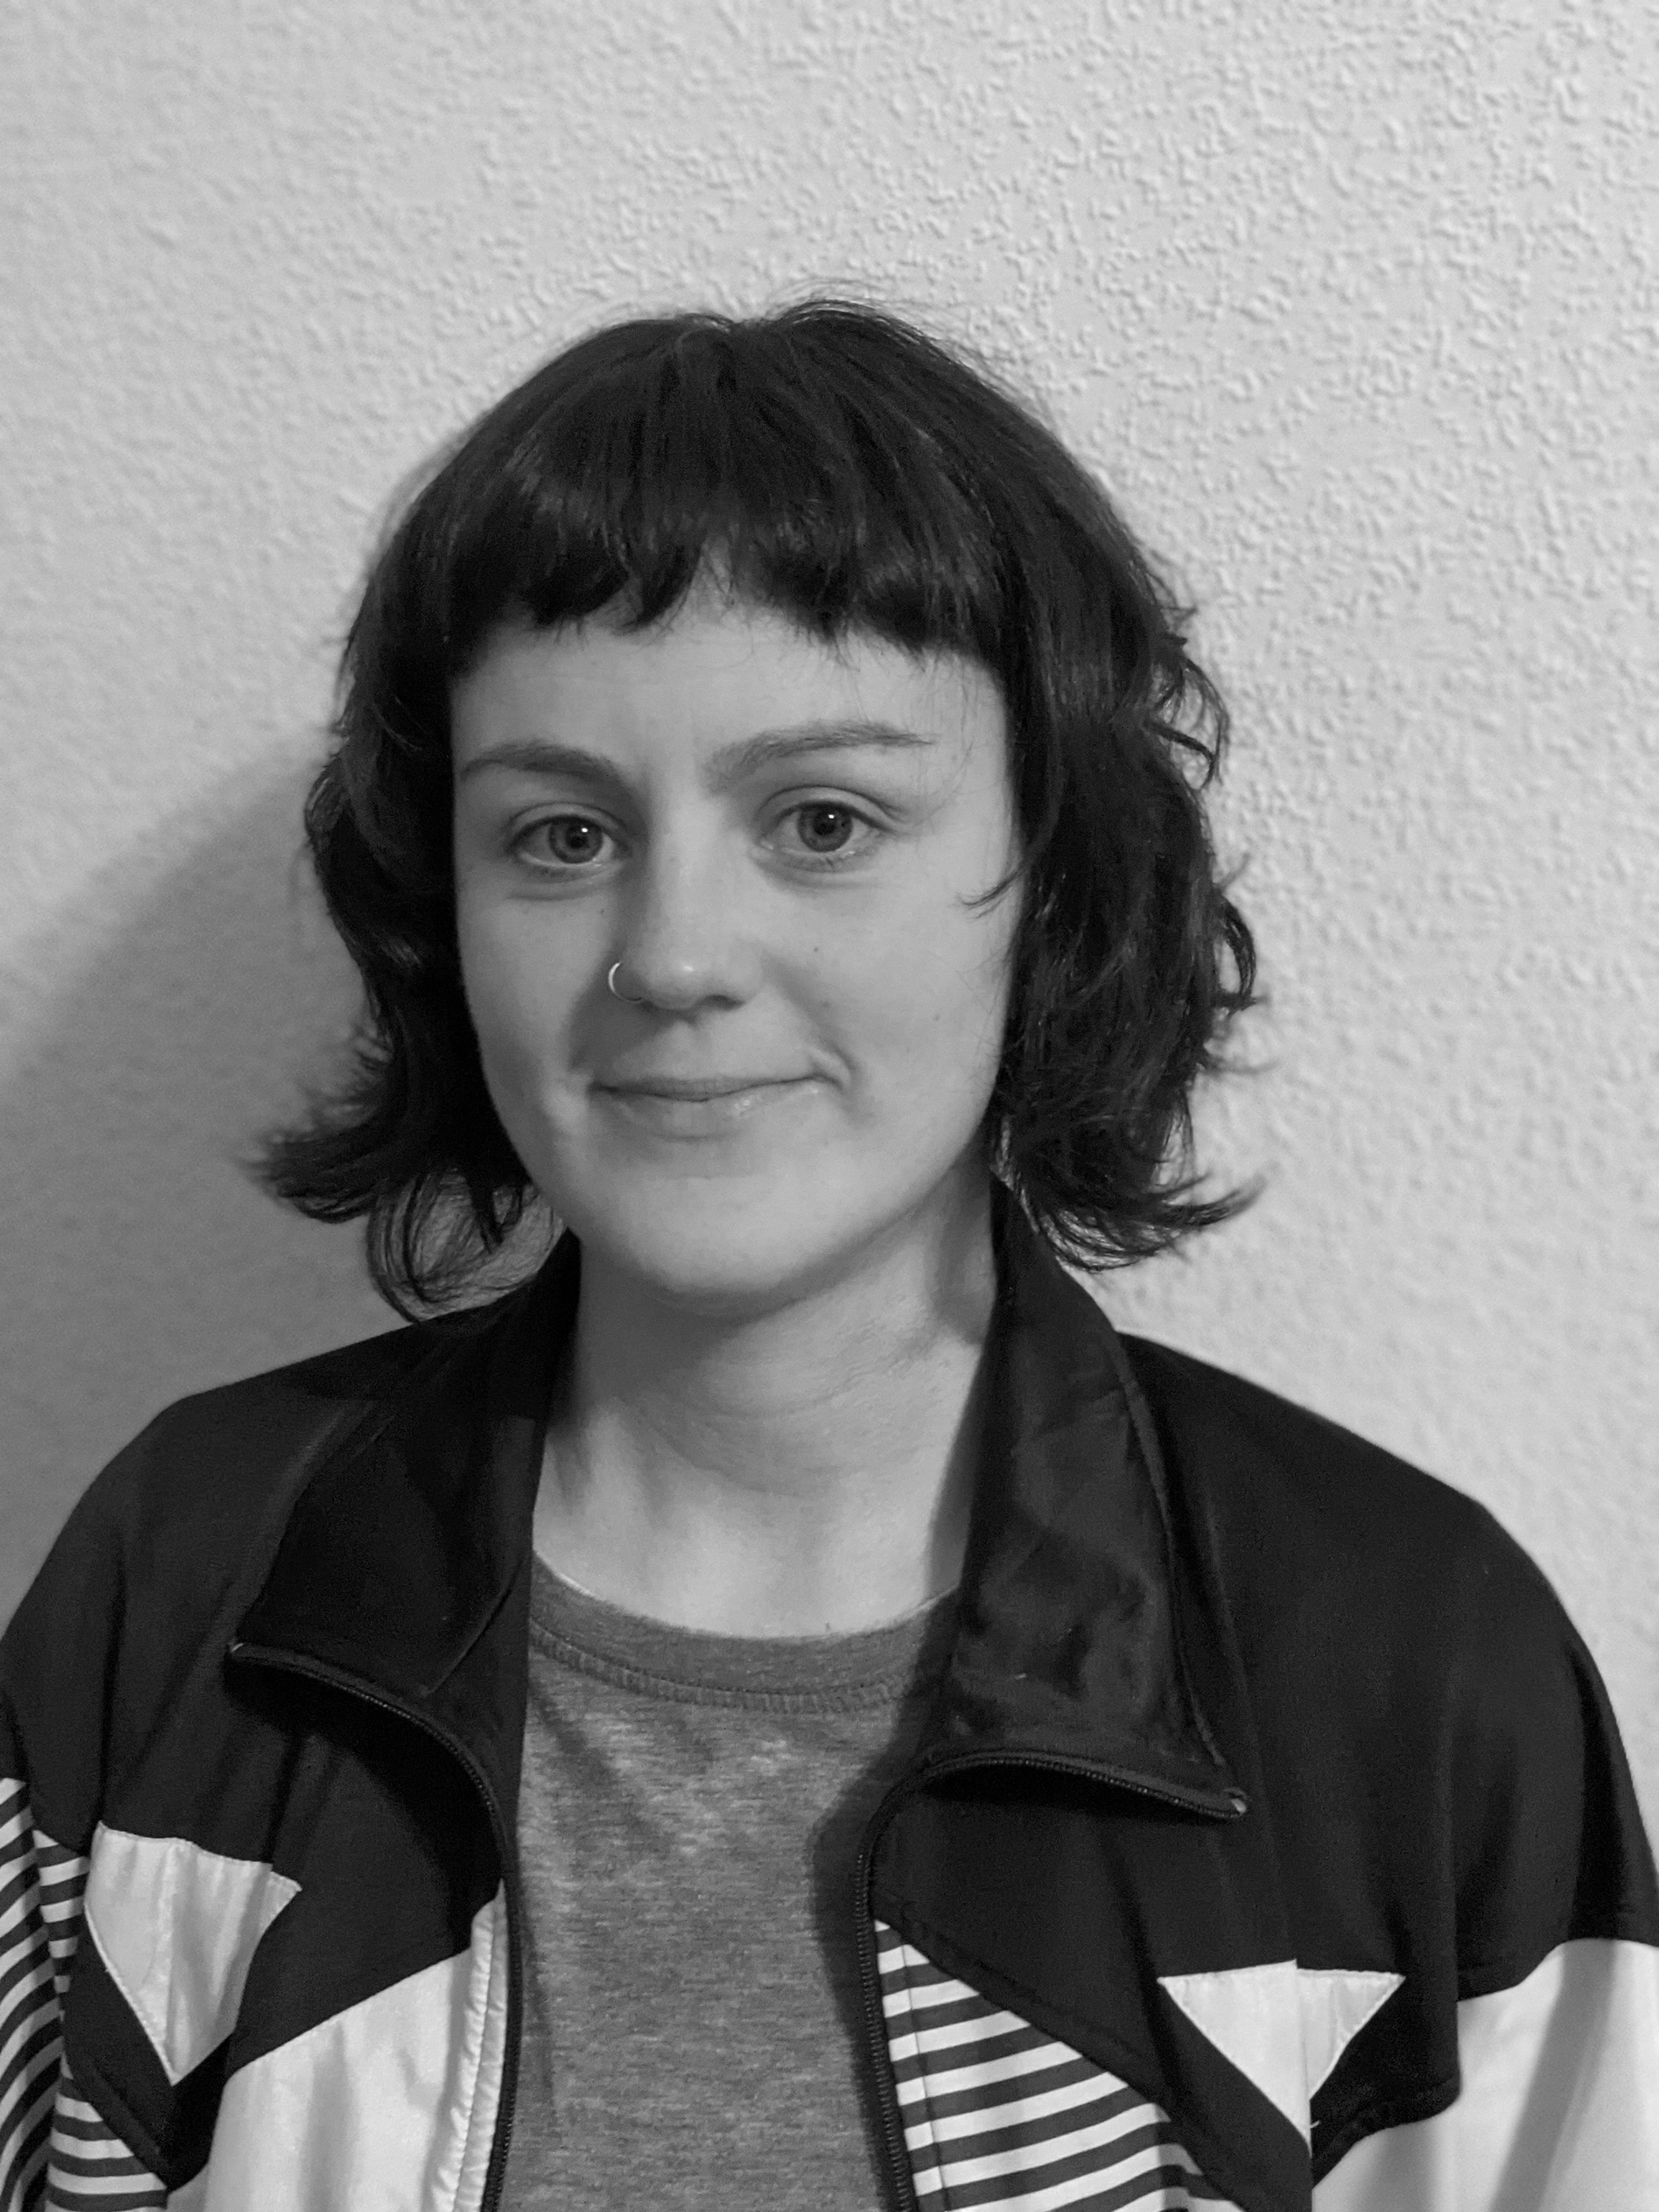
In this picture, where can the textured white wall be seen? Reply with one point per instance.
(1353, 308)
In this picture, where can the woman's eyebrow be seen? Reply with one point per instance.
(727, 767)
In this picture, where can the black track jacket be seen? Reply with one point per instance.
(1270, 1844)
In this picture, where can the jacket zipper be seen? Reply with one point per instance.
(496, 2174)
(898, 2158)
(893, 2127)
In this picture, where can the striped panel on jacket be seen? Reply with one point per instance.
(90, 2165)
(999, 2115)
(42, 1889)
(54, 2147)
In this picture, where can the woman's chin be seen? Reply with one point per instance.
(721, 1249)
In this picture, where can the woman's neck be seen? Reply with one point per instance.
(807, 1470)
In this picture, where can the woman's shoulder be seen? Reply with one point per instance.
(241, 1436)
(1395, 1637)
(1256, 1450)
(1308, 1522)
(180, 1510)
(166, 1548)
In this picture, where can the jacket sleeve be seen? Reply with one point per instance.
(57, 1662)
(1557, 2106)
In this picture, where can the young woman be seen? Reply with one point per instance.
(787, 1707)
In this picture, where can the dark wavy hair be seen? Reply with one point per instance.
(841, 467)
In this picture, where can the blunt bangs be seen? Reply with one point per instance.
(652, 455)
(832, 464)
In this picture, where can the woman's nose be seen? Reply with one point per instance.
(683, 938)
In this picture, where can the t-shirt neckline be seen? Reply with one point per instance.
(883, 1662)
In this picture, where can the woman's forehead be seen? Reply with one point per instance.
(713, 670)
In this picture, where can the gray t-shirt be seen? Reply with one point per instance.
(688, 1830)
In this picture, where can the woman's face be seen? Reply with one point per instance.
(789, 908)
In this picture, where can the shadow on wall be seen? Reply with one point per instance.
(140, 1263)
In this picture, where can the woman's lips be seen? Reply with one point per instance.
(700, 1114)
(694, 1086)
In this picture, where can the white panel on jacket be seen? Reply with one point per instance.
(1560, 2105)
(387, 2106)
(177, 1926)
(1283, 2025)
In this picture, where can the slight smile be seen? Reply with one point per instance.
(706, 1109)
(697, 1086)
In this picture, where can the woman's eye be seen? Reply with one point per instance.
(570, 839)
(824, 827)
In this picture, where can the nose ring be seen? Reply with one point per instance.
(610, 985)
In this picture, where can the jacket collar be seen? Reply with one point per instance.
(415, 1526)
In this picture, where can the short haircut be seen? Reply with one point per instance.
(851, 471)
